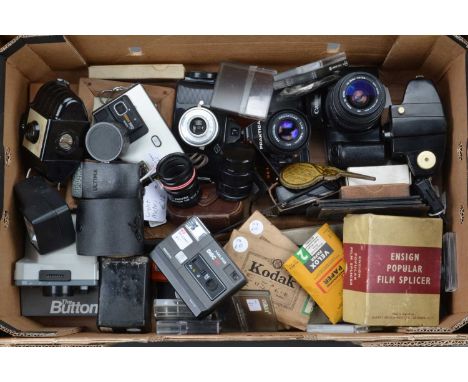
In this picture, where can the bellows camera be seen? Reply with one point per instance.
(46, 215)
(197, 267)
(147, 136)
(53, 130)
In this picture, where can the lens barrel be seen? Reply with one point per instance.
(179, 178)
(235, 178)
(286, 132)
(356, 102)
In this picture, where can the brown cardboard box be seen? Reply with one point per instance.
(392, 273)
(26, 60)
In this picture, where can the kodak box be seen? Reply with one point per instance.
(318, 266)
(392, 273)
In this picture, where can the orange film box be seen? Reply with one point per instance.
(318, 266)
(393, 267)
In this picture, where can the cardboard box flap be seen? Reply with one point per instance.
(23, 327)
(449, 324)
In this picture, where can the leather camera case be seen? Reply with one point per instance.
(215, 212)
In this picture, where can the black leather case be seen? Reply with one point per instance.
(110, 227)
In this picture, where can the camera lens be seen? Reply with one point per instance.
(236, 172)
(360, 94)
(32, 132)
(178, 177)
(198, 127)
(287, 131)
(356, 102)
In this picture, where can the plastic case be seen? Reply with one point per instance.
(255, 311)
(245, 90)
(188, 327)
(310, 72)
(170, 309)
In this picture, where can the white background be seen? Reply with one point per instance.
(233, 17)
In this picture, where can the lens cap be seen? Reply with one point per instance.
(106, 141)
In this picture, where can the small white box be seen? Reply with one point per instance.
(389, 174)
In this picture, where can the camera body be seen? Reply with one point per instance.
(197, 267)
(53, 130)
(283, 138)
(150, 138)
(353, 107)
(198, 128)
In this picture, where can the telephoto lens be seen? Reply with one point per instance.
(235, 177)
(356, 102)
(179, 178)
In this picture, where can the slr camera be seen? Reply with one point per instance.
(415, 133)
(284, 137)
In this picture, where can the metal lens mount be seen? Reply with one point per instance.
(198, 126)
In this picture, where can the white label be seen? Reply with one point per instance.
(196, 229)
(154, 204)
(314, 243)
(256, 227)
(182, 239)
(254, 305)
(240, 244)
(180, 257)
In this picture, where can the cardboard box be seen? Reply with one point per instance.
(26, 60)
(392, 270)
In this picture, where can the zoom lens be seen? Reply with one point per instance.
(179, 178)
(356, 102)
(287, 131)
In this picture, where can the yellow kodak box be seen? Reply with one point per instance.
(318, 266)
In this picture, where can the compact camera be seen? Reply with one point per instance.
(150, 139)
(197, 267)
(61, 273)
(53, 130)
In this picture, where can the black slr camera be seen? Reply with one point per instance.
(198, 128)
(353, 108)
(284, 137)
(415, 133)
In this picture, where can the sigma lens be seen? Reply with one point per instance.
(356, 102)
(179, 178)
(286, 131)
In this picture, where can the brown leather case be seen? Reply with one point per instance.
(215, 213)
